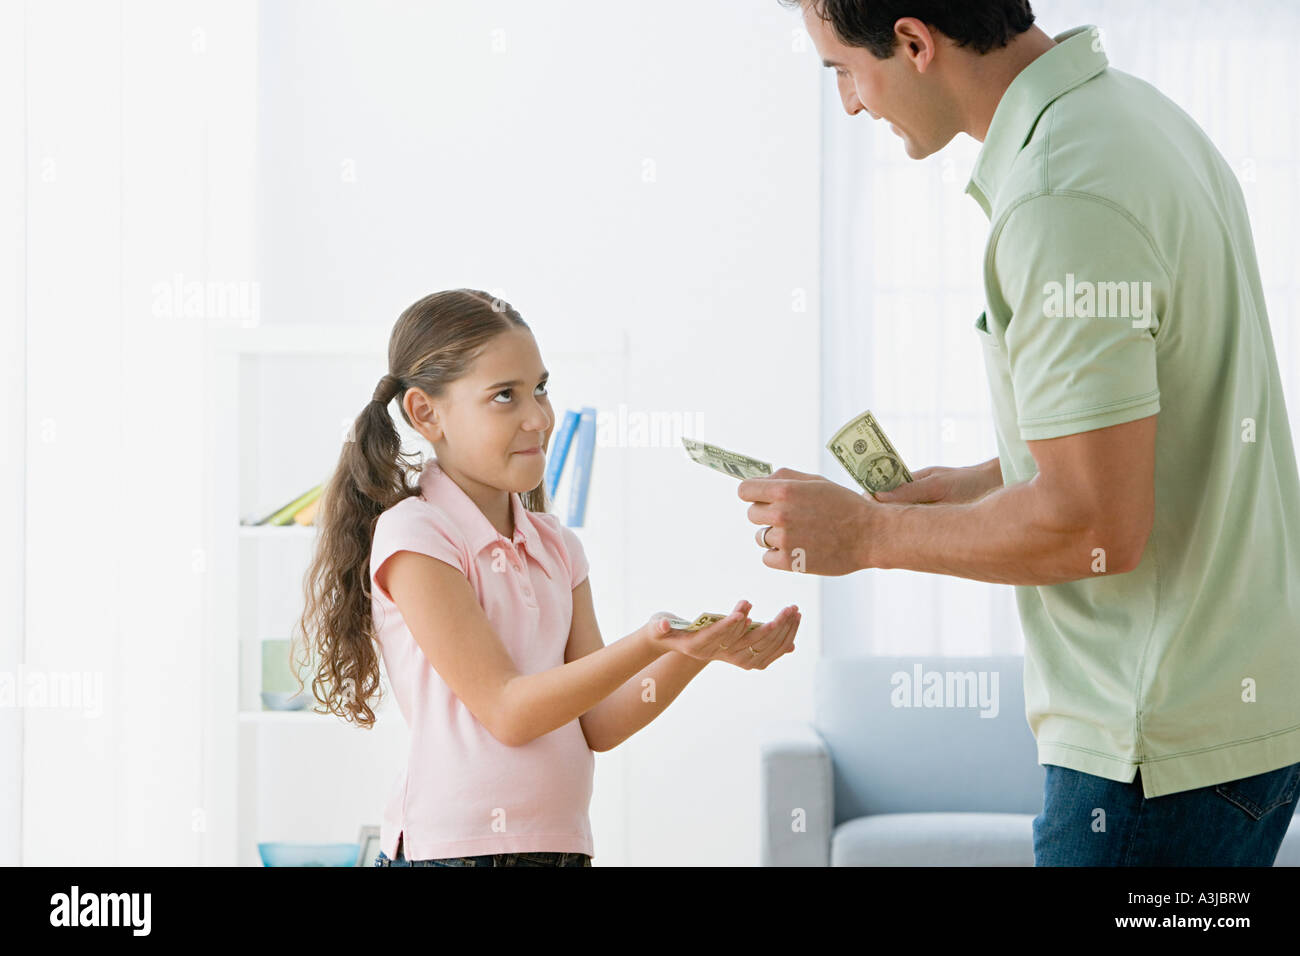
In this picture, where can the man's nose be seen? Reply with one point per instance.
(852, 105)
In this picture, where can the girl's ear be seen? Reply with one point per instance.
(424, 414)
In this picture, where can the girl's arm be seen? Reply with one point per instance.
(443, 614)
(642, 698)
(631, 707)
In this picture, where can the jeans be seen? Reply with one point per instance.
(1091, 821)
(496, 859)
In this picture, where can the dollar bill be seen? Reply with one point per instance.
(728, 462)
(867, 454)
(703, 621)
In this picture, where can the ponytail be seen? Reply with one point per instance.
(337, 626)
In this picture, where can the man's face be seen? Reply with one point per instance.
(893, 89)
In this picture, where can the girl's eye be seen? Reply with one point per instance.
(507, 391)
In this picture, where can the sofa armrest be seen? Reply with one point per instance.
(796, 806)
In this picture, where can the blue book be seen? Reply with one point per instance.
(582, 460)
(560, 451)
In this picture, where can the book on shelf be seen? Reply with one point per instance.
(560, 451)
(290, 513)
(307, 516)
(582, 462)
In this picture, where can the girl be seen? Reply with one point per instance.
(479, 602)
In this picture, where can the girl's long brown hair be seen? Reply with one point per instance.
(434, 342)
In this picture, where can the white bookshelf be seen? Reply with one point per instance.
(278, 399)
(289, 531)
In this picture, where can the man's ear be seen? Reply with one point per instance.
(916, 41)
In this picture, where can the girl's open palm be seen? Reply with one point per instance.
(729, 640)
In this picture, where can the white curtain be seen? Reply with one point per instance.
(903, 249)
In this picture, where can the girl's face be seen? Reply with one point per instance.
(492, 415)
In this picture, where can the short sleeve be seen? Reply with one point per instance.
(577, 555)
(1084, 292)
(413, 525)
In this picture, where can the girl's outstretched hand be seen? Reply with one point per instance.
(730, 640)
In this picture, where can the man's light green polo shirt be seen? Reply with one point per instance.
(1121, 282)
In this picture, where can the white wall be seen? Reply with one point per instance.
(635, 168)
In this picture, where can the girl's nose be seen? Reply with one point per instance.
(540, 420)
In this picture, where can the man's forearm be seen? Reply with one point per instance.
(1009, 536)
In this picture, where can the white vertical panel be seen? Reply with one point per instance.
(13, 391)
(223, 46)
(131, 155)
(76, 471)
(166, 185)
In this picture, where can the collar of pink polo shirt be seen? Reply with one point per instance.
(437, 487)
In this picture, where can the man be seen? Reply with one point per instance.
(1157, 570)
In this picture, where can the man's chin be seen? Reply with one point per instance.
(914, 151)
(936, 142)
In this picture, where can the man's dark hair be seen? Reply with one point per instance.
(982, 25)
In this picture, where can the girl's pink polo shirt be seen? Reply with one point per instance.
(463, 792)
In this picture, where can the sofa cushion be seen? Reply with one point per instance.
(935, 839)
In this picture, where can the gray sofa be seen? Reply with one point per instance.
(881, 779)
